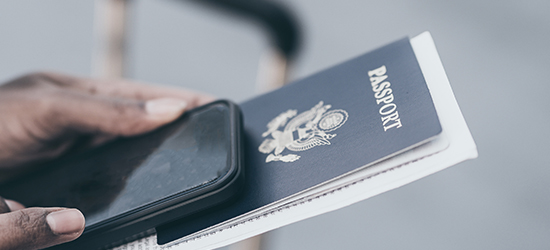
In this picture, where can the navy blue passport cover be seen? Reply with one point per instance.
(324, 126)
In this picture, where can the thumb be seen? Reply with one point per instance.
(117, 116)
(37, 228)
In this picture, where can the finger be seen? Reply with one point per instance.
(114, 116)
(4, 208)
(128, 89)
(14, 205)
(7, 206)
(36, 228)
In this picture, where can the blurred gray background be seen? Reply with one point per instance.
(495, 53)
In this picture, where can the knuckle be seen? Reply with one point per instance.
(39, 75)
(43, 75)
(129, 115)
(32, 81)
(33, 84)
(36, 78)
(28, 228)
(30, 221)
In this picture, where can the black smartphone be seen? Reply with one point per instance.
(129, 186)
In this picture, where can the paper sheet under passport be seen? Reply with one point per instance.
(454, 144)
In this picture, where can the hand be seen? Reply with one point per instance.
(34, 228)
(45, 115)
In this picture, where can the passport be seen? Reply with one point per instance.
(347, 133)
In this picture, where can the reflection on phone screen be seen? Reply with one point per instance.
(134, 172)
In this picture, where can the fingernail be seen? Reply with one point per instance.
(165, 107)
(67, 221)
(14, 205)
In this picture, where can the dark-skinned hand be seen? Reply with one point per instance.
(45, 115)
